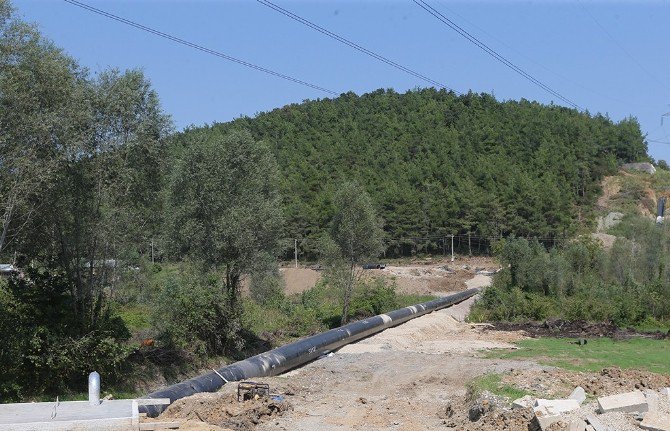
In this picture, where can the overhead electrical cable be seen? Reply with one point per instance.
(458, 29)
(351, 44)
(553, 72)
(621, 47)
(199, 47)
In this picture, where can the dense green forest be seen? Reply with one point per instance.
(438, 164)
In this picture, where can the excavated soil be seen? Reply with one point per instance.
(575, 329)
(222, 410)
(558, 383)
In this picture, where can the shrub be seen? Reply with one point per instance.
(46, 348)
(193, 315)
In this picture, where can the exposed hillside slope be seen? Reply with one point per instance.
(439, 164)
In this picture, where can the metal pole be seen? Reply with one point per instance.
(295, 244)
(452, 248)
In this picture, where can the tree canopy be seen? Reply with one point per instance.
(437, 164)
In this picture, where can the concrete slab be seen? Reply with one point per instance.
(596, 424)
(109, 415)
(653, 399)
(545, 417)
(559, 406)
(655, 421)
(579, 395)
(629, 402)
(577, 425)
(523, 402)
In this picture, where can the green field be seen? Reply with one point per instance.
(636, 353)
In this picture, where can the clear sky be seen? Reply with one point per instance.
(611, 57)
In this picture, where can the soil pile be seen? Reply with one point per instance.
(223, 410)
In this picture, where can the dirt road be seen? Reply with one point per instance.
(399, 379)
(404, 378)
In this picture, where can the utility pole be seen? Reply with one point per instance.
(452, 247)
(295, 245)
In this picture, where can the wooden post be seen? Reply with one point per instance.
(295, 244)
(452, 248)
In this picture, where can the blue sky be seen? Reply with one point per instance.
(611, 57)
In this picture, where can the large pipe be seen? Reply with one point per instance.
(300, 352)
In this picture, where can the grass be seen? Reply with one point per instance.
(493, 383)
(136, 317)
(636, 353)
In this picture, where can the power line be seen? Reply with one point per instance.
(559, 75)
(624, 50)
(351, 44)
(199, 47)
(431, 10)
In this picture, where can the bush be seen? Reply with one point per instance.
(193, 314)
(46, 349)
(627, 285)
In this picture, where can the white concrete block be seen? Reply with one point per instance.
(653, 399)
(655, 421)
(595, 423)
(523, 402)
(629, 402)
(666, 393)
(577, 425)
(560, 406)
(545, 417)
(579, 394)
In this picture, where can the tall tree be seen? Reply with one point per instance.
(356, 235)
(223, 207)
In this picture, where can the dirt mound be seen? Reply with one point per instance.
(223, 410)
(559, 383)
(575, 329)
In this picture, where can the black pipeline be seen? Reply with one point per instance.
(300, 352)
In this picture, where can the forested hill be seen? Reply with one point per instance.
(438, 164)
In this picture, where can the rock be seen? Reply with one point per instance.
(596, 424)
(523, 402)
(590, 428)
(579, 395)
(653, 399)
(629, 402)
(559, 406)
(666, 391)
(577, 425)
(644, 167)
(610, 220)
(655, 421)
(545, 417)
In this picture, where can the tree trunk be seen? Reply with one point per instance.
(348, 289)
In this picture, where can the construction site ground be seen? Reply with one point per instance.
(415, 376)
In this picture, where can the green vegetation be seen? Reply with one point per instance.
(437, 164)
(134, 243)
(628, 285)
(492, 383)
(599, 353)
(355, 236)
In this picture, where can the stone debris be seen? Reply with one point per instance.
(653, 399)
(546, 416)
(579, 395)
(559, 406)
(629, 402)
(524, 402)
(596, 424)
(577, 425)
(655, 421)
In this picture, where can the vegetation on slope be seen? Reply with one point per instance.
(628, 284)
(438, 164)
